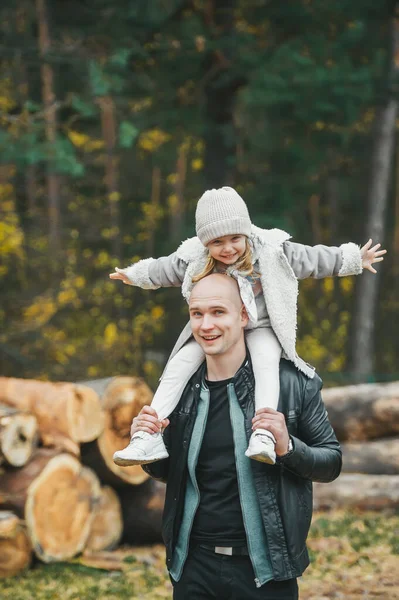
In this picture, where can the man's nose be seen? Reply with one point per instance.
(207, 322)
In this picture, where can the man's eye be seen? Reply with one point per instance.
(219, 312)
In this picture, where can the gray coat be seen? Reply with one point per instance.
(280, 263)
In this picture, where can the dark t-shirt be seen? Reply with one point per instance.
(218, 520)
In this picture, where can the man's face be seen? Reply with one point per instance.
(216, 321)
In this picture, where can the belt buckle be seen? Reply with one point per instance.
(226, 550)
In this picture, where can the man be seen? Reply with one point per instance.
(236, 528)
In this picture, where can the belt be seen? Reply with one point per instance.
(227, 550)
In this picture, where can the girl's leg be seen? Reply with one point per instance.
(175, 378)
(265, 351)
(145, 447)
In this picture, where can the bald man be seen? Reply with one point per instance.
(236, 528)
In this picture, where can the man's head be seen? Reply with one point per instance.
(217, 315)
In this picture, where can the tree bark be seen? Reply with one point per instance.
(67, 414)
(362, 492)
(122, 398)
(18, 436)
(55, 494)
(15, 546)
(50, 122)
(379, 457)
(378, 197)
(363, 412)
(220, 97)
(108, 124)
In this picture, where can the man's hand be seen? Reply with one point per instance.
(273, 421)
(121, 276)
(371, 256)
(147, 420)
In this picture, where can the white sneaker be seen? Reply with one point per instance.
(261, 447)
(144, 448)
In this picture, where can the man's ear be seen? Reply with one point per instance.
(244, 315)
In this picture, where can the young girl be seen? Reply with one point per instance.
(267, 267)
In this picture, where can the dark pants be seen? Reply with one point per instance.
(207, 575)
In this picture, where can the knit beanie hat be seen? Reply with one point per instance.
(221, 212)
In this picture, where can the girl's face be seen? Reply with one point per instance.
(227, 249)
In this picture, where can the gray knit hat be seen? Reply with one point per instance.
(221, 212)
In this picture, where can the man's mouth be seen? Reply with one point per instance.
(210, 338)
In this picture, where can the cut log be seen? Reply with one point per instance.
(142, 508)
(107, 525)
(15, 546)
(122, 398)
(364, 492)
(55, 495)
(375, 457)
(366, 411)
(67, 414)
(18, 436)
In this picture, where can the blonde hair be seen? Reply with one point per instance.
(243, 265)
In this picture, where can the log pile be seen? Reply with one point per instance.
(366, 421)
(60, 492)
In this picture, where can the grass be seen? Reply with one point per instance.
(354, 557)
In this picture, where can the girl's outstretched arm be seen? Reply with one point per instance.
(153, 273)
(327, 261)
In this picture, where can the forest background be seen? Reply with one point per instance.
(116, 116)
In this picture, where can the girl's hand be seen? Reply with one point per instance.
(121, 276)
(371, 256)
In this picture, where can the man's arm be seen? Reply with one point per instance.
(317, 454)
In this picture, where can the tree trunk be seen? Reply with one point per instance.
(379, 457)
(363, 412)
(15, 546)
(176, 213)
(363, 492)
(220, 97)
(50, 122)
(108, 124)
(142, 510)
(122, 399)
(18, 436)
(67, 414)
(107, 525)
(155, 202)
(378, 197)
(56, 495)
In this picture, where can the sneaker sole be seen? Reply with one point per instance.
(128, 462)
(261, 458)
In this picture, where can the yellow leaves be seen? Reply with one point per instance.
(85, 142)
(197, 164)
(110, 334)
(66, 296)
(157, 312)
(103, 259)
(346, 284)
(173, 201)
(328, 285)
(153, 139)
(40, 311)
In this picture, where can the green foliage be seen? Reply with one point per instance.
(276, 98)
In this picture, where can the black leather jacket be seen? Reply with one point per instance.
(284, 490)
